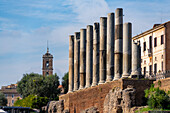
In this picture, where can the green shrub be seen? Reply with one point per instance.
(157, 99)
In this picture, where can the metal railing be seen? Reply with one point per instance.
(158, 75)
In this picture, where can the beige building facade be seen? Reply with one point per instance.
(10, 93)
(155, 50)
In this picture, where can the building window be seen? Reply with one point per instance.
(12, 95)
(162, 66)
(155, 41)
(155, 68)
(144, 71)
(162, 39)
(144, 61)
(162, 57)
(155, 58)
(150, 70)
(144, 46)
(150, 42)
(12, 101)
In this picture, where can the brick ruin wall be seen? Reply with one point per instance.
(95, 96)
(165, 84)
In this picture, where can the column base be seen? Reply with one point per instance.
(101, 82)
(108, 80)
(87, 86)
(125, 75)
(75, 89)
(116, 77)
(94, 84)
(69, 91)
(81, 87)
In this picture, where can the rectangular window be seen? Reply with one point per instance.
(150, 70)
(155, 68)
(144, 46)
(144, 71)
(155, 41)
(12, 101)
(162, 66)
(162, 39)
(150, 42)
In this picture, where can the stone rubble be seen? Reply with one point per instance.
(118, 100)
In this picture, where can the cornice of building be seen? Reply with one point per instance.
(150, 31)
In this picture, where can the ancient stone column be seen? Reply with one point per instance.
(102, 59)
(82, 58)
(136, 60)
(89, 55)
(76, 60)
(71, 63)
(127, 37)
(95, 54)
(110, 47)
(118, 43)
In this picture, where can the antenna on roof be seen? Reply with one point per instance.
(47, 47)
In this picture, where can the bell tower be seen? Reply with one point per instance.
(47, 68)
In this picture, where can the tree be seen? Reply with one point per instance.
(3, 100)
(157, 99)
(32, 101)
(65, 82)
(35, 84)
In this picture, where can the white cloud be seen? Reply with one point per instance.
(88, 11)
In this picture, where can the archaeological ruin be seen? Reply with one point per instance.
(104, 64)
(102, 53)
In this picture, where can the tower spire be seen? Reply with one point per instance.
(47, 47)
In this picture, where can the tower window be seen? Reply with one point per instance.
(47, 64)
(144, 46)
(155, 41)
(162, 39)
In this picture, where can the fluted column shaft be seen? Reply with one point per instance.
(71, 63)
(110, 47)
(82, 58)
(89, 55)
(102, 59)
(118, 43)
(76, 60)
(127, 37)
(95, 54)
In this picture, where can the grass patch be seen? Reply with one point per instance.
(149, 109)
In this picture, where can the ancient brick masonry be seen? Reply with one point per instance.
(95, 96)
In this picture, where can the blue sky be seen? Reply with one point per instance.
(26, 25)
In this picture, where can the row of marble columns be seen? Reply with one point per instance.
(102, 53)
